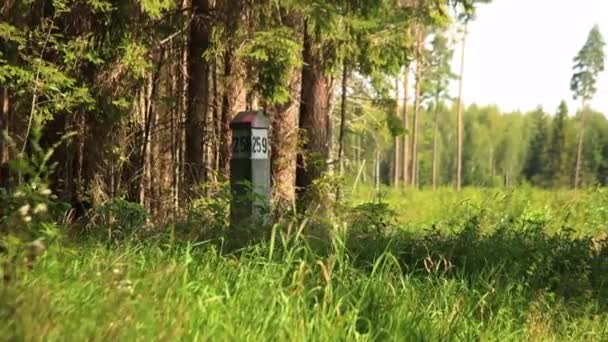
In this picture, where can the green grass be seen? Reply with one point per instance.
(497, 266)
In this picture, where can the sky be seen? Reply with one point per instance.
(519, 53)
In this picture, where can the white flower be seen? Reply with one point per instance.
(24, 210)
(27, 219)
(40, 208)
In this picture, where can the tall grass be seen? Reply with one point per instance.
(497, 266)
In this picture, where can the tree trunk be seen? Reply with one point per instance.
(314, 115)
(284, 140)
(162, 145)
(217, 122)
(435, 142)
(396, 142)
(234, 99)
(342, 124)
(406, 124)
(4, 158)
(415, 124)
(377, 169)
(3, 123)
(459, 119)
(181, 169)
(198, 94)
(579, 149)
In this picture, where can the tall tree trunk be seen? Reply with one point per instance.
(4, 158)
(182, 170)
(435, 141)
(284, 140)
(198, 93)
(3, 123)
(406, 124)
(459, 119)
(234, 99)
(358, 140)
(418, 100)
(161, 162)
(314, 114)
(342, 123)
(175, 131)
(377, 169)
(217, 122)
(396, 142)
(579, 149)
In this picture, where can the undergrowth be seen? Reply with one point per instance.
(496, 266)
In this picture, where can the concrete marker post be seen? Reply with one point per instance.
(249, 167)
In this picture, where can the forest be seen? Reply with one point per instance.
(397, 211)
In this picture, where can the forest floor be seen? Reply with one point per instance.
(504, 265)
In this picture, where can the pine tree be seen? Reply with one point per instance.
(588, 63)
(556, 153)
(436, 84)
(198, 92)
(467, 15)
(534, 168)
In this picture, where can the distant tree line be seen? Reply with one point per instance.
(499, 149)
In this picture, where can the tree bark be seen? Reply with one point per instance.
(4, 125)
(406, 124)
(314, 115)
(217, 122)
(579, 149)
(459, 119)
(377, 169)
(234, 99)
(435, 142)
(396, 142)
(284, 144)
(4, 158)
(415, 124)
(198, 93)
(342, 124)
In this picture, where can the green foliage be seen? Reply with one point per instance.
(395, 125)
(155, 8)
(208, 217)
(556, 171)
(488, 272)
(135, 58)
(438, 69)
(273, 56)
(588, 63)
(119, 219)
(536, 160)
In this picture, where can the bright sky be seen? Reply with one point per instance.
(519, 53)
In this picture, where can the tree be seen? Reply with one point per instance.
(437, 81)
(535, 166)
(420, 35)
(588, 63)
(556, 153)
(235, 89)
(314, 108)
(4, 158)
(198, 92)
(467, 15)
(396, 142)
(406, 125)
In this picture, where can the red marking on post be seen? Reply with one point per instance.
(247, 118)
